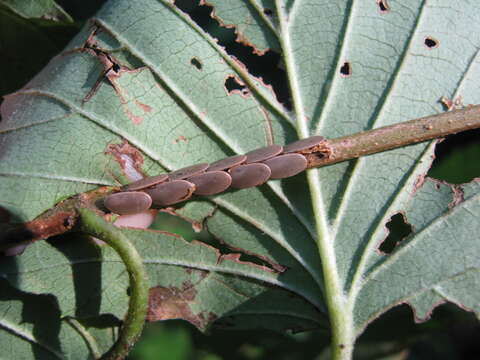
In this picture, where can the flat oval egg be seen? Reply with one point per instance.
(227, 163)
(146, 182)
(171, 192)
(211, 182)
(188, 171)
(286, 165)
(263, 153)
(303, 144)
(245, 176)
(125, 203)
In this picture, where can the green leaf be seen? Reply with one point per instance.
(297, 253)
(45, 9)
(32, 328)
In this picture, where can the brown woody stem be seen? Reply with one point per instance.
(394, 136)
(62, 217)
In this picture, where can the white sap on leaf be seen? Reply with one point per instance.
(129, 169)
(141, 220)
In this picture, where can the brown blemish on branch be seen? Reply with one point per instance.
(455, 104)
(60, 219)
(45, 226)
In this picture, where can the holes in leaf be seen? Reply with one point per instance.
(383, 6)
(265, 65)
(346, 69)
(233, 86)
(430, 42)
(456, 158)
(399, 229)
(268, 12)
(195, 62)
(116, 67)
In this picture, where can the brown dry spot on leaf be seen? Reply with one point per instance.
(146, 108)
(174, 303)
(180, 138)
(109, 63)
(112, 72)
(114, 77)
(129, 158)
(458, 196)
(137, 120)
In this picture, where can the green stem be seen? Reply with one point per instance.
(95, 225)
(89, 339)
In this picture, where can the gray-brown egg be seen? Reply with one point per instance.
(303, 144)
(227, 163)
(263, 153)
(146, 182)
(125, 203)
(211, 182)
(286, 165)
(188, 171)
(245, 176)
(171, 192)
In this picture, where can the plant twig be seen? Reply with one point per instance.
(395, 136)
(62, 217)
(95, 225)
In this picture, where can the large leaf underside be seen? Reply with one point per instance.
(350, 67)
